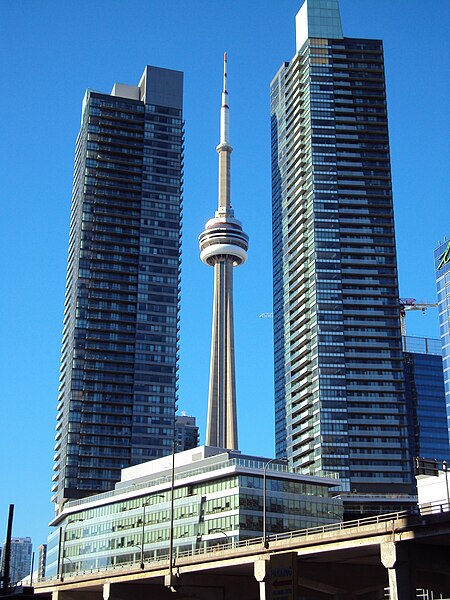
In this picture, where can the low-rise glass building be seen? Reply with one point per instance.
(425, 398)
(218, 498)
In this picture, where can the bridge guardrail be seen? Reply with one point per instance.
(429, 509)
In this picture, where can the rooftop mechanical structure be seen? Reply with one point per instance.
(223, 245)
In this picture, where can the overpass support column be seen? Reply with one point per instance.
(261, 570)
(394, 557)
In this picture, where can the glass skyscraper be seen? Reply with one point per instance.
(339, 381)
(20, 559)
(118, 381)
(442, 264)
(425, 398)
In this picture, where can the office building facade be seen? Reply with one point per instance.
(442, 264)
(425, 397)
(339, 382)
(217, 499)
(117, 393)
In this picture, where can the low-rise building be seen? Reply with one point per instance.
(433, 485)
(218, 497)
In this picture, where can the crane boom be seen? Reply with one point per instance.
(407, 304)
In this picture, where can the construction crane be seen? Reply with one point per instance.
(407, 304)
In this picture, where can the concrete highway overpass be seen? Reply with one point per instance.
(351, 560)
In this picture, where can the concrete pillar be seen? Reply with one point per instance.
(261, 568)
(221, 430)
(106, 590)
(394, 557)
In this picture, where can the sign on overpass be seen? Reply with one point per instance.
(283, 577)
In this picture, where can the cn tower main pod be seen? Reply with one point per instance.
(223, 245)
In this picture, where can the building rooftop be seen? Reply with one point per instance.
(318, 19)
(422, 345)
(199, 463)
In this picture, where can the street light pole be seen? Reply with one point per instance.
(144, 506)
(272, 460)
(7, 552)
(62, 536)
(218, 530)
(143, 534)
(69, 559)
(31, 571)
(171, 580)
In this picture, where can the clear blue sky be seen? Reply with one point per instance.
(52, 51)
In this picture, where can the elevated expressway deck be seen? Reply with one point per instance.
(351, 560)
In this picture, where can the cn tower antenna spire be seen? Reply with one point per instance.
(224, 149)
(225, 110)
(223, 245)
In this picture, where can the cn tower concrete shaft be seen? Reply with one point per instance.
(222, 419)
(223, 245)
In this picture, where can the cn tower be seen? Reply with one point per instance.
(223, 245)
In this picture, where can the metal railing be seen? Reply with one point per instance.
(338, 527)
(245, 463)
